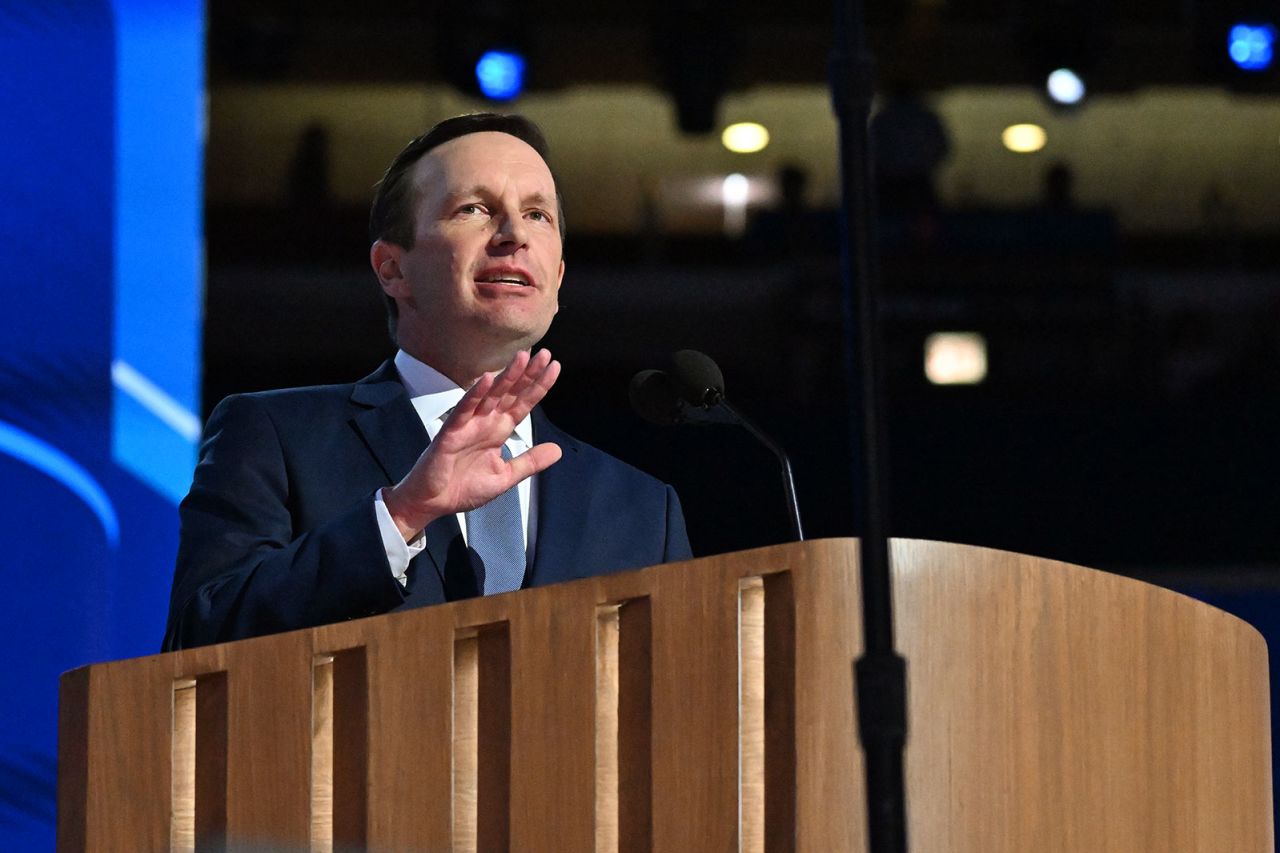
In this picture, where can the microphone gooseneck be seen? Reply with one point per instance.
(694, 393)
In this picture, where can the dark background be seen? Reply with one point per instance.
(1128, 418)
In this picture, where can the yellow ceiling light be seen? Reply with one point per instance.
(745, 137)
(1024, 138)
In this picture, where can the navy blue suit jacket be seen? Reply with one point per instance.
(279, 530)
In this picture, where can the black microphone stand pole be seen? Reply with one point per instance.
(881, 672)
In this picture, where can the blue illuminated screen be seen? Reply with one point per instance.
(100, 304)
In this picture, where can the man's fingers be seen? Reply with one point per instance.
(549, 375)
(539, 361)
(538, 458)
(532, 394)
(537, 364)
(512, 393)
(533, 372)
(467, 405)
(509, 378)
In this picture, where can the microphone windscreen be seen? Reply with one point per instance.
(654, 398)
(697, 378)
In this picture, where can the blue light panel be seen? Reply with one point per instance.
(100, 302)
(158, 244)
(500, 74)
(1252, 46)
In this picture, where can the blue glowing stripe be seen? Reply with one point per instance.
(172, 413)
(158, 245)
(50, 460)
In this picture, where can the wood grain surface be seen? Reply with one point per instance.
(703, 706)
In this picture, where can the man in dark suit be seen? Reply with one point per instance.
(315, 505)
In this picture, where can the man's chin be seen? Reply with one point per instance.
(504, 342)
(515, 333)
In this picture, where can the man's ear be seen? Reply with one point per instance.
(384, 257)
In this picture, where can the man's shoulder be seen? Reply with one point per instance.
(286, 403)
(309, 400)
(300, 394)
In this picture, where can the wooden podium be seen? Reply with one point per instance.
(701, 706)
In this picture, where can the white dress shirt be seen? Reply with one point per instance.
(433, 396)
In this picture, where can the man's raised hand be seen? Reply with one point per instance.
(463, 467)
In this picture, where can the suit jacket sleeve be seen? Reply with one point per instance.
(677, 540)
(245, 567)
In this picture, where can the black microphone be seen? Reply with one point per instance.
(654, 398)
(698, 378)
(694, 393)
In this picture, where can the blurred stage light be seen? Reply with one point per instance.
(1252, 46)
(1024, 138)
(955, 358)
(500, 75)
(734, 192)
(745, 137)
(736, 189)
(1065, 87)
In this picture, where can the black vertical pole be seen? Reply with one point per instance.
(880, 673)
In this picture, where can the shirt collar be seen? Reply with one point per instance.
(433, 394)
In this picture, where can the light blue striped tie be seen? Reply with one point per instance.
(494, 532)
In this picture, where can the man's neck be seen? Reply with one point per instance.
(464, 371)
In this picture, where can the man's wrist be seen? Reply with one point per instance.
(405, 522)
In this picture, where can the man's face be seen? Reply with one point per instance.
(482, 278)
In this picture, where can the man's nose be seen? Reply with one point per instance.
(512, 231)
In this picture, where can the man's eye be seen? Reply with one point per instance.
(470, 209)
(539, 215)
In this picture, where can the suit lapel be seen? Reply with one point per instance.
(389, 425)
(560, 530)
(394, 434)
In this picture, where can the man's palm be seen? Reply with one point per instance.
(463, 467)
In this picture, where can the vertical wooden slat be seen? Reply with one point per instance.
(553, 740)
(493, 739)
(322, 754)
(269, 721)
(607, 729)
(350, 749)
(482, 739)
(623, 728)
(410, 736)
(211, 762)
(779, 713)
(182, 826)
(115, 763)
(695, 699)
(829, 767)
(73, 760)
(466, 689)
(635, 727)
(751, 795)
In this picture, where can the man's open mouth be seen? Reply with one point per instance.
(512, 279)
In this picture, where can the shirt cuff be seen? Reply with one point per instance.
(399, 552)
